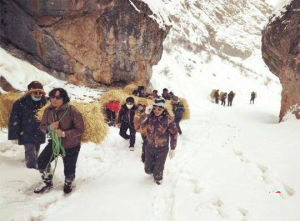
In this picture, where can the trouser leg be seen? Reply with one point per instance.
(149, 159)
(178, 126)
(70, 163)
(123, 129)
(159, 165)
(132, 136)
(31, 152)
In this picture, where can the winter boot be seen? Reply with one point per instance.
(47, 185)
(68, 187)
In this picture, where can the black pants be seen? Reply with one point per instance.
(155, 159)
(69, 160)
(217, 100)
(178, 126)
(123, 133)
(223, 102)
(229, 103)
(111, 116)
(252, 101)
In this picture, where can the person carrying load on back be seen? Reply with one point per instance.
(140, 92)
(253, 96)
(178, 110)
(126, 121)
(64, 124)
(23, 126)
(166, 94)
(161, 130)
(112, 109)
(230, 98)
(216, 96)
(223, 99)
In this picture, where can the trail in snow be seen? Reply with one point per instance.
(213, 176)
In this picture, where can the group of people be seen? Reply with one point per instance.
(64, 125)
(222, 96)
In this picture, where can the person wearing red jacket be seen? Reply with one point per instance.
(112, 110)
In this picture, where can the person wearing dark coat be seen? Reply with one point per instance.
(216, 96)
(126, 121)
(230, 98)
(178, 110)
(140, 92)
(24, 127)
(253, 96)
(166, 94)
(223, 99)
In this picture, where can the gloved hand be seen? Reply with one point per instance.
(15, 142)
(148, 109)
(171, 154)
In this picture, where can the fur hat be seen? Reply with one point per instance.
(160, 102)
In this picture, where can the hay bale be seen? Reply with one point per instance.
(130, 88)
(113, 95)
(6, 103)
(186, 114)
(95, 127)
(169, 108)
(143, 101)
(212, 93)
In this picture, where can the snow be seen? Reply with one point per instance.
(280, 8)
(231, 163)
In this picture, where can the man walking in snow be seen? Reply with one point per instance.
(230, 98)
(216, 96)
(253, 96)
(178, 110)
(160, 128)
(64, 124)
(223, 99)
(126, 121)
(24, 127)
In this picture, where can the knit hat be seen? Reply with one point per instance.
(160, 102)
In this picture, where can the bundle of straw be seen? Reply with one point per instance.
(95, 127)
(186, 114)
(6, 103)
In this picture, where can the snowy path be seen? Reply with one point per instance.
(223, 164)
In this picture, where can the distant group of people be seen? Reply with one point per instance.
(222, 96)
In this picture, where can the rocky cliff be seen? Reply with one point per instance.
(280, 50)
(86, 41)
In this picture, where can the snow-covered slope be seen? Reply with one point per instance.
(232, 163)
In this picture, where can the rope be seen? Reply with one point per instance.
(57, 147)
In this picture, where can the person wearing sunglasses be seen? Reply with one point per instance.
(23, 126)
(161, 130)
(64, 125)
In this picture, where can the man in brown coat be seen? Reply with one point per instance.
(161, 129)
(65, 125)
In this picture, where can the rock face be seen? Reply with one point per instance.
(107, 41)
(280, 49)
